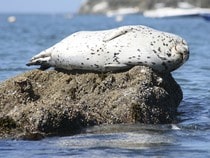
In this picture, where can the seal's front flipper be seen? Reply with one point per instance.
(117, 33)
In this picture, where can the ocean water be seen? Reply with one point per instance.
(189, 137)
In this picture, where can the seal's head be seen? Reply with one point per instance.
(179, 54)
(181, 48)
(172, 50)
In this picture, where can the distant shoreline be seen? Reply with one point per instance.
(104, 6)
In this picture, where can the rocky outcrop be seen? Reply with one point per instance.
(42, 103)
(104, 6)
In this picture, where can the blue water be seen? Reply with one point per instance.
(190, 137)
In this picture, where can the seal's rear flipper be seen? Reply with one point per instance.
(42, 61)
(44, 67)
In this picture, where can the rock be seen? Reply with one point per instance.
(42, 103)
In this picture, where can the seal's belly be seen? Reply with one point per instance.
(81, 50)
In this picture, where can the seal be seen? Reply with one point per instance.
(115, 50)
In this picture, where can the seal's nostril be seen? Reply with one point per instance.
(185, 55)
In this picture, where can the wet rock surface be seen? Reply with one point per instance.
(39, 103)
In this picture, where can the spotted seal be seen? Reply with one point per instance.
(116, 49)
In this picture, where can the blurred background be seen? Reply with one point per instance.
(96, 6)
(30, 26)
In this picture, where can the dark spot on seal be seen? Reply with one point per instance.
(154, 51)
(116, 60)
(96, 65)
(115, 54)
(168, 54)
(87, 58)
(159, 49)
